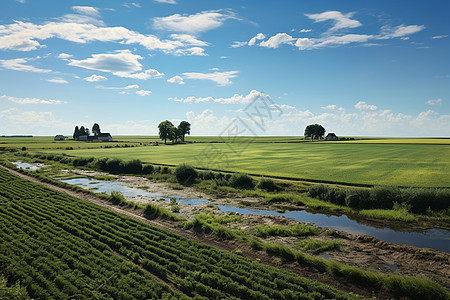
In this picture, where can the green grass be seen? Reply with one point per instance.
(403, 162)
(391, 214)
(317, 246)
(373, 164)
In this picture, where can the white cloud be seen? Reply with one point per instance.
(200, 22)
(330, 107)
(166, 1)
(147, 74)
(304, 43)
(64, 56)
(143, 92)
(277, 40)
(94, 78)
(133, 86)
(235, 99)
(362, 105)
(237, 44)
(197, 51)
(19, 64)
(21, 1)
(388, 32)
(439, 36)
(57, 80)
(24, 36)
(86, 10)
(360, 123)
(30, 100)
(221, 78)
(176, 79)
(81, 19)
(188, 39)
(340, 20)
(433, 102)
(341, 40)
(206, 122)
(122, 63)
(136, 5)
(32, 122)
(257, 37)
(331, 38)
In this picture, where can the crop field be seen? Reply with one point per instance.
(62, 247)
(400, 162)
(419, 165)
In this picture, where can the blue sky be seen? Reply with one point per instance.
(362, 68)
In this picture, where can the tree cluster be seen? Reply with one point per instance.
(314, 131)
(85, 131)
(167, 131)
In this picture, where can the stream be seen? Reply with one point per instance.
(434, 238)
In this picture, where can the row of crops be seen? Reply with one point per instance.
(61, 247)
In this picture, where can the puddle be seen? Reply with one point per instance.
(390, 267)
(26, 166)
(434, 238)
(325, 255)
(107, 187)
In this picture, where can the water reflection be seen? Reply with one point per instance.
(434, 238)
(107, 187)
(25, 166)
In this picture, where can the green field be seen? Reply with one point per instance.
(61, 247)
(401, 162)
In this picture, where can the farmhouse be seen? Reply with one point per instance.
(102, 137)
(60, 137)
(331, 137)
(105, 137)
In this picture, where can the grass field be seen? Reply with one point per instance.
(416, 163)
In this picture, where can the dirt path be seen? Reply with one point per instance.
(365, 252)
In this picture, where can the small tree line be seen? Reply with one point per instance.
(79, 131)
(167, 131)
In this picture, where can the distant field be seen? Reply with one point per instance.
(404, 162)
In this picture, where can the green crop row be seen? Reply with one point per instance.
(58, 246)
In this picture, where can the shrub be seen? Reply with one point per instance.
(241, 181)
(24, 148)
(113, 166)
(185, 174)
(357, 197)
(384, 197)
(117, 198)
(318, 191)
(131, 167)
(266, 184)
(147, 169)
(206, 175)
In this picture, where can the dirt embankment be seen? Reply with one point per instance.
(365, 252)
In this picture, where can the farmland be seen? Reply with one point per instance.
(58, 246)
(400, 162)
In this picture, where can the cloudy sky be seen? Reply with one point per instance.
(362, 68)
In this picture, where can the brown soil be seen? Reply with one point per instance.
(365, 252)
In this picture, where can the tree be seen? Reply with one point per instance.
(96, 129)
(76, 133)
(166, 130)
(314, 131)
(88, 132)
(82, 131)
(184, 128)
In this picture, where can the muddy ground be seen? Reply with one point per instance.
(366, 252)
